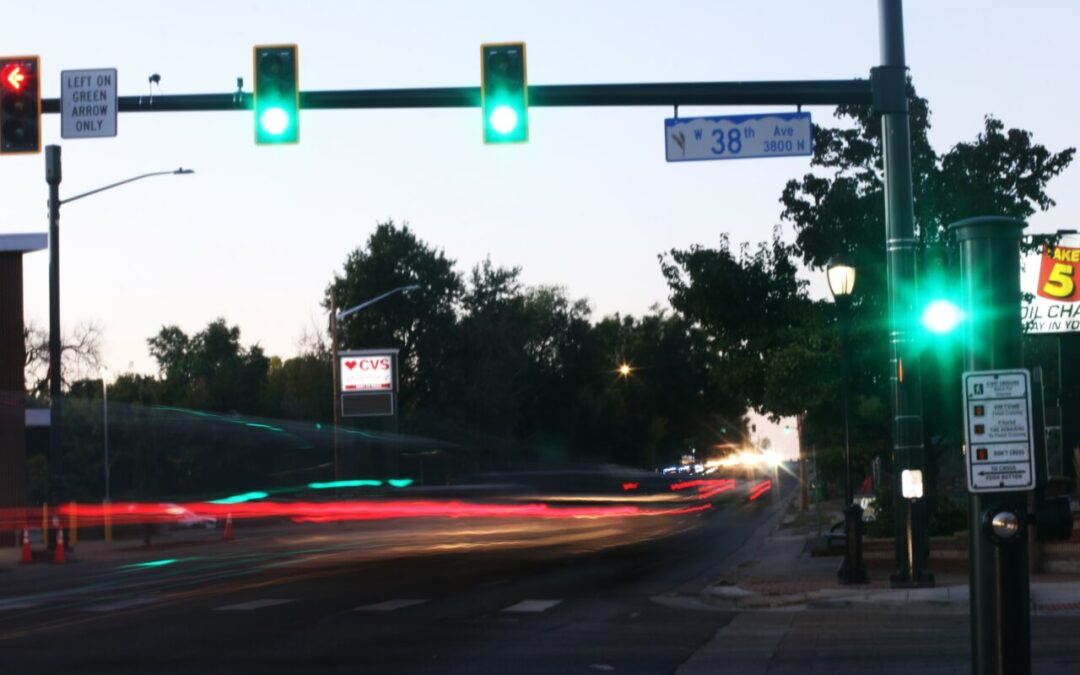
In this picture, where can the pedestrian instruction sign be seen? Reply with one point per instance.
(998, 430)
(88, 103)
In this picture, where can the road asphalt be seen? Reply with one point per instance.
(731, 590)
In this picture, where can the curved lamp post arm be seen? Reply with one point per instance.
(178, 172)
(368, 303)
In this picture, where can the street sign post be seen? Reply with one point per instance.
(691, 139)
(88, 103)
(998, 430)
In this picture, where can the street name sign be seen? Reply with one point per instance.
(88, 103)
(998, 430)
(692, 139)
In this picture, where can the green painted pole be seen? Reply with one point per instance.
(912, 538)
(1000, 592)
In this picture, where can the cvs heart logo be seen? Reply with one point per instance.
(350, 364)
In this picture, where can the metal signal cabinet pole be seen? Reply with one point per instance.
(1000, 586)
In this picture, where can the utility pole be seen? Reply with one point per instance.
(337, 386)
(905, 374)
(53, 176)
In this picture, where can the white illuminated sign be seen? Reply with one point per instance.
(374, 372)
(911, 485)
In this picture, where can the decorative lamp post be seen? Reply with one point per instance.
(841, 275)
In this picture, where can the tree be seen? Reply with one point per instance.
(756, 315)
(80, 355)
(210, 370)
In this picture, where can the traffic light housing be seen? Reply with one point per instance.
(20, 104)
(277, 95)
(504, 94)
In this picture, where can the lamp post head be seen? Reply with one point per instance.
(182, 171)
(625, 370)
(841, 275)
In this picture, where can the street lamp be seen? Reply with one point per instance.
(335, 318)
(841, 275)
(624, 370)
(53, 176)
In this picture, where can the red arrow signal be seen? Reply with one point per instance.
(13, 76)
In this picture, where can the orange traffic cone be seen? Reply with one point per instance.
(60, 556)
(228, 528)
(27, 554)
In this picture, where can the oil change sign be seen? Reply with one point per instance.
(367, 373)
(998, 430)
(1052, 279)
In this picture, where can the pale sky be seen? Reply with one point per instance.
(255, 235)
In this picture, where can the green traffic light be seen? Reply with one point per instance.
(503, 119)
(276, 95)
(274, 121)
(941, 316)
(504, 95)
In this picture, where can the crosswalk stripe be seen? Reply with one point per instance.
(532, 606)
(390, 605)
(116, 605)
(254, 604)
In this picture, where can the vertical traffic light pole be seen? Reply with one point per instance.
(907, 433)
(1000, 593)
(56, 467)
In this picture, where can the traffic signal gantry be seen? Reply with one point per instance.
(504, 94)
(20, 105)
(885, 91)
(276, 98)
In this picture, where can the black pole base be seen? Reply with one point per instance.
(852, 569)
(921, 580)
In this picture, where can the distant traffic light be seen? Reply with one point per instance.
(20, 104)
(504, 94)
(277, 95)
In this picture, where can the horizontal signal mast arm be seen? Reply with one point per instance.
(808, 92)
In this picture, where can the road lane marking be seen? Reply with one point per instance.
(117, 605)
(17, 604)
(532, 606)
(254, 604)
(390, 605)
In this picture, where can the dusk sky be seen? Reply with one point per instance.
(256, 233)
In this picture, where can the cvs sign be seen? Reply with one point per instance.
(367, 373)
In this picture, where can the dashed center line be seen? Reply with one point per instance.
(254, 604)
(390, 605)
(532, 606)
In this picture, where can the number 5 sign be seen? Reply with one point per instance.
(1057, 273)
(1052, 280)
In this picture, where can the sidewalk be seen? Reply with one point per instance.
(792, 617)
(776, 570)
